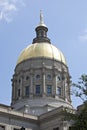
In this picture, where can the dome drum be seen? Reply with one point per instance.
(42, 73)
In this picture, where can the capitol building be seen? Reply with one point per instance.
(40, 88)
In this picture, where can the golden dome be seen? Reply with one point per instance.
(44, 49)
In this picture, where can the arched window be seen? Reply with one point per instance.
(37, 76)
(49, 77)
(27, 77)
(58, 78)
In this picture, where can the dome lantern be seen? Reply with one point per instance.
(41, 32)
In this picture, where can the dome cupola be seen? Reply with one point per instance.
(41, 32)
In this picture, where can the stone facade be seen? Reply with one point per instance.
(14, 120)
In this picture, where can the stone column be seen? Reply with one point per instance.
(65, 89)
(44, 84)
(31, 83)
(13, 89)
(21, 91)
(54, 83)
(21, 85)
(63, 125)
(68, 85)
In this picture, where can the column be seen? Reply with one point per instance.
(21, 85)
(44, 84)
(21, 88)
(31, 83)
(68, 85)
(65, 88)
(55, 83)
(13, 91)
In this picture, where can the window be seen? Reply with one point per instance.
(2, 127)
(16, 129)
(72, 128)
(58, 92)
(49, 89)
(58, 78)
(49, 77)
(37, 76)
(22, 128)
(37, 89)
(16, 80)
(57, 128)
(27, 91)
(18, 92)
(19, 81)
(27, 77)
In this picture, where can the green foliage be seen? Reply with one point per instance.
(81, 116)
(81, 87)
(81, 119)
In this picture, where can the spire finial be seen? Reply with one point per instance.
(41, 17)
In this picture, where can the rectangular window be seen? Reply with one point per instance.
(58, 92)
(18, 92)
(57, 128)
(37, 89)
(49, 89)
(27, 91)
(72, 128)
(16, 129)
(2, 127)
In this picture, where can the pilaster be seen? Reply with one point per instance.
(31, 83)
(44, 84)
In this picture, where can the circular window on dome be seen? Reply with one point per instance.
(37, 76)
(49, 77)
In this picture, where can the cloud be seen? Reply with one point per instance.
(8, 8)
(83, 36)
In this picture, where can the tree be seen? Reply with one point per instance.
(81, 87)
(81, 116)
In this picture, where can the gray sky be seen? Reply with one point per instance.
(67, 24)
